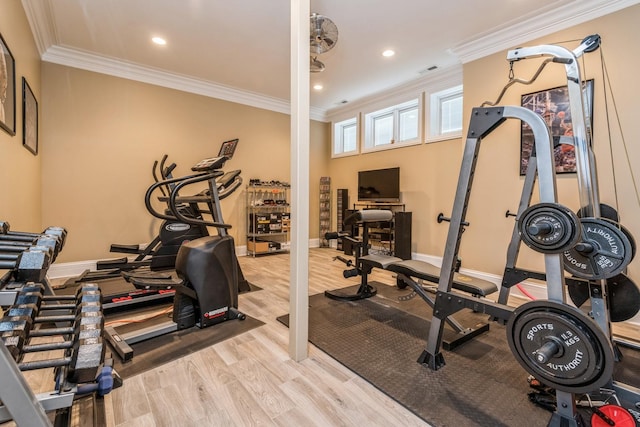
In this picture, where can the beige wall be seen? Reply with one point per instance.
(19, 169)
(102, 135)
(429, 172)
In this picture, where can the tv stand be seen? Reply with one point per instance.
(388, 237)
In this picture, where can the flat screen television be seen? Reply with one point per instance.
(379, 186)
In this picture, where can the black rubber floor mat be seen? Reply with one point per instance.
(381, 338)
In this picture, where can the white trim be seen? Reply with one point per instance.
(42, 24)
(70, 269)
(542, 23)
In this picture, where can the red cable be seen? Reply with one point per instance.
(524, 292)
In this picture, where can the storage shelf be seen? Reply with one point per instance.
(262, 218)
(284, 233)
(325, 210)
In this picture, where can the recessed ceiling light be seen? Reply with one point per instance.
(387, 53)
(317, 86)
(159, 40)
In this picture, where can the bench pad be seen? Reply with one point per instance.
(429, 272)
(379, 261)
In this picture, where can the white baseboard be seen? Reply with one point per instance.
(70, 269)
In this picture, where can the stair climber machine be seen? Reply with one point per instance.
(206, 290)
(118, 294)
(160, 253)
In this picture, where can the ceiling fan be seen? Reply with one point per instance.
(323, 37)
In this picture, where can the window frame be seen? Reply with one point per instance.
(368, 141)
(337, 138)
(434, 113)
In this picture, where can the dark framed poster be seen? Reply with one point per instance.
(554, 107)
(7, 89)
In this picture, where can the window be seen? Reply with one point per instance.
(445, 118)
(398, 124)
(345, 137)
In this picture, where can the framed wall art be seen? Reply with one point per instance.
(7, 89)
(29, 118)
(553, 106)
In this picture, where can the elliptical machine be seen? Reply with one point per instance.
(206, 292)
(161, 252)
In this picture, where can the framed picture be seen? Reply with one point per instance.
(29, 118)
(7, 89)
(553, 105)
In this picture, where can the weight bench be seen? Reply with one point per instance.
(361, 247)
(408, 270)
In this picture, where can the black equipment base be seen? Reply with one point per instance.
(362, 292)
(482, 384)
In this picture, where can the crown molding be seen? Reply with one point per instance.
(42, 24)
(132, 71)
(559, 18)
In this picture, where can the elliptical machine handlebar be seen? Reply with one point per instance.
(154, 187)
(173, 204)
(172, 198)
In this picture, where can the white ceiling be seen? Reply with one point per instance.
(239, 50)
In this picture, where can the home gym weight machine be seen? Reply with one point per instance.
(207, 268)
(558, 344)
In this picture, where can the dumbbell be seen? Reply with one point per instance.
(60, 232)
(84, 352)
(24, 313)
(9, 248)
(16, 331)
(44, 242)
(29, 266)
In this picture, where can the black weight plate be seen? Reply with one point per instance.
(624, 298)
(611, 251)
(611, 213)
(578, 293)
(584, 360)
(622, 293)
(632, 241)
(606, 211)
(549, 228)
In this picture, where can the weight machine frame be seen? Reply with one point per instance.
(483, 122)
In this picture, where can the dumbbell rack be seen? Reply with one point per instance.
(81, 371)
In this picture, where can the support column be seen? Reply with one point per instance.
(299, 253)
